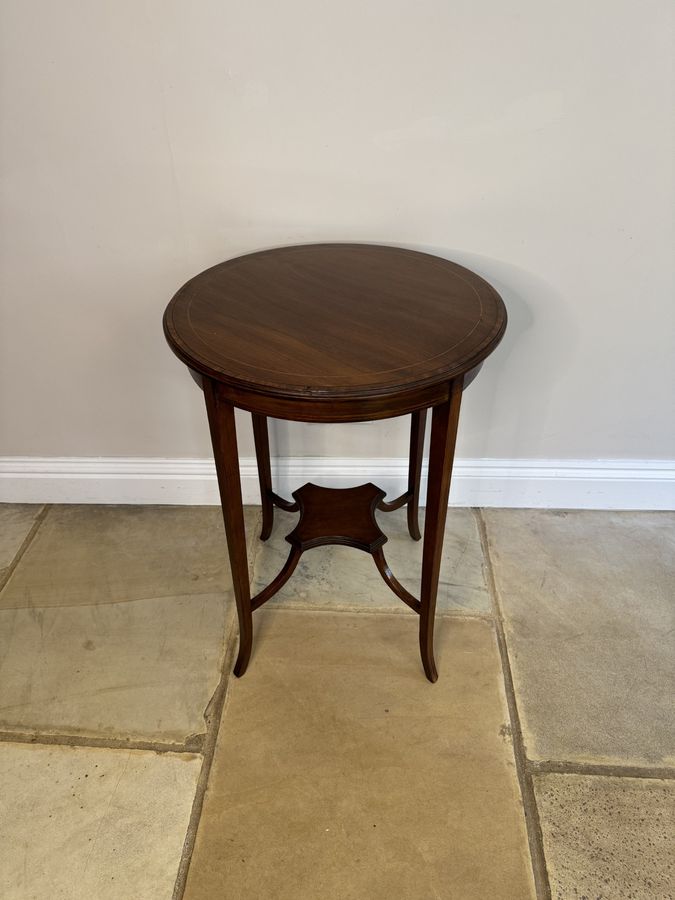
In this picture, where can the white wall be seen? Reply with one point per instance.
(529, 140)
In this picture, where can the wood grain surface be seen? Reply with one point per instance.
(334, 321)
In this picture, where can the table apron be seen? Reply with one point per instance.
(361, 409)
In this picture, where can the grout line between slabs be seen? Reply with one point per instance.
(25, 544)
(534, 834)
(214, 714)
(215, 711)
(563, 767)
(193, 745)
(402, 612)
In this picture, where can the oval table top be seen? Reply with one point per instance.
(334, 321)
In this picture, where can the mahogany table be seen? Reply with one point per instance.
(335, 333)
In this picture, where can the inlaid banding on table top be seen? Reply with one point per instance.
(326, 315)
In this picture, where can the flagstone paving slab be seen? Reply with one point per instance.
(143, 670)
(84, 555)
(114, 623)
(82, 823)
(340, 771)
(608, 837)
(587, 599)
(337, 577)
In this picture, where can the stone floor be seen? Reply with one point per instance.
(541, 764)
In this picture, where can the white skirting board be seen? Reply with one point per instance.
(544, 483)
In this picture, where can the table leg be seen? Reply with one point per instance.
(224, 440)
(444, 421)
(262, 453)
(417, 428)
